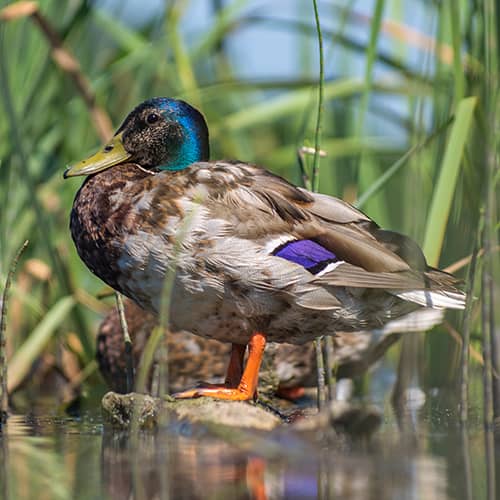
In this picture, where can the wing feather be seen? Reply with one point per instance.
(262, 206)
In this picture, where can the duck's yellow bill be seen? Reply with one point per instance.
(111, 154)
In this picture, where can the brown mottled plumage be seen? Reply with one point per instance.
(113, 223)
(252, 256)
(192, 358)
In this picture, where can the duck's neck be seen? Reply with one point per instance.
(194, 147)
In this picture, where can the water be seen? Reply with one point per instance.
(422, 453)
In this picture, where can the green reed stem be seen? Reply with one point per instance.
(127, 341)
(317, 134)
(161, 328)
(466, 325)
(318, 343)
(321, 375)
(4, 397)
(492, 104)
(330, 374)
(457, 41)
(487, 374)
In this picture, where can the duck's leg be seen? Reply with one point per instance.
(235, 369)
(234, 389)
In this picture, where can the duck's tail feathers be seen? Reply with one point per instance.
(420, 320)
(437, 299)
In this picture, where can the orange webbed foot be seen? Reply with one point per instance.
(218, 392)
(237, 387)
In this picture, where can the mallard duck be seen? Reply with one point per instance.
(290, 368)
(252, 257)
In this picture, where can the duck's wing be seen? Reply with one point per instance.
(378, 258)
(338, 244)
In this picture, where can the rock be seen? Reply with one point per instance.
(229, 413)
(119, 408)
(345, 417)
(356, 420)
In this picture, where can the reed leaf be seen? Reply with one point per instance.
(296, 101)
(445, 187)
(21, 362)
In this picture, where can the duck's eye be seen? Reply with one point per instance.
(152, 118)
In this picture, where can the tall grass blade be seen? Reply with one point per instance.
(317, 134)
(486, 283)
(223, 24)
(466, 326)
(395, 168)
(368, 171)
(295, 101)
(492, 100)
(371, 56)
(288, 104)
(490, 336)
(458, 69)
(128, 40)
(21, 362)
(183, 62)
(446, 183)
(4, 396)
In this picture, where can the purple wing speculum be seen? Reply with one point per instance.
(307, 253)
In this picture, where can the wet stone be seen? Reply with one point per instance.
(353, 419)
(119, 409)
(345, 418)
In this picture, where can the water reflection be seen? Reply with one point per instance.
(169, 466)
(79, 458)
(164, 466)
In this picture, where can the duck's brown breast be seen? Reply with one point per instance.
(114, 210)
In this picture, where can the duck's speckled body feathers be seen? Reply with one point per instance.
(192, 358)
(234, 235)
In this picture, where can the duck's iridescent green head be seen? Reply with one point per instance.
(159, 134)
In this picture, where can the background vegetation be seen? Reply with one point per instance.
(410, 132)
